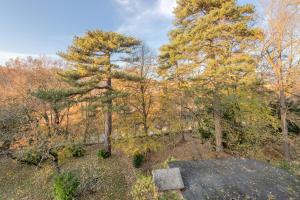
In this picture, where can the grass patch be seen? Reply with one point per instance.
(291, 167)
(99, 179)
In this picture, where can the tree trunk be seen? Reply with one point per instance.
(183, 137)
(56, 117)
(145, 123)
(55, 164)
(144, 112)
(67, 125)
(87, 124)
(181, 119)
(56, 121)
(47, 121)
(283, 113)
(108, 120)
(217, 122)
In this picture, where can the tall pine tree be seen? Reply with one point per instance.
(95, 58)
(210, 46)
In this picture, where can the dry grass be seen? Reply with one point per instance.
(192, 148)
(100, 179)
(196, 149)
(113, 178)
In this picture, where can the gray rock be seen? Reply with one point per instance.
(168, 179)
(235, 179)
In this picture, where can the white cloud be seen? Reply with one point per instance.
(166, 7)
(124, 2)
(158, 8)
(128, 5)
(147, 20)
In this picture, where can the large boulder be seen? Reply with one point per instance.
(236, 179)
(168, 179)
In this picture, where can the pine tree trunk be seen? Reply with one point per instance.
(217, 122)
(67, 125)
(87, 124)
(181, 119)
(283, 113)
(108, 121)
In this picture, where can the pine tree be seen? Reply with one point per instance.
(95, 57)
(57, 100)
(210, 45)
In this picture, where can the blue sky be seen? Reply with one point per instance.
(44, 27)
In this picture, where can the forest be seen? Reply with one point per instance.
(95, 122)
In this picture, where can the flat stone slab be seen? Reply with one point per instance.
(236, 179)
(168, 179)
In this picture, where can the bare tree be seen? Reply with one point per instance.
(142, 64)
(281, 50)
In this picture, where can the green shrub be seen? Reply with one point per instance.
(30, 156)
(77, 150)
(205, 134)
(103, 154)
(138, 160)
(65, 186)
(144, 189)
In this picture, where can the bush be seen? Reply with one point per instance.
(30, 157)
(138, 160)
(205, 134)
(77, 150)
(103, 154)
(132, 146)
(65, 186)
(144, 189)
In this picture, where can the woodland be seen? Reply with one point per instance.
(94, 123)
